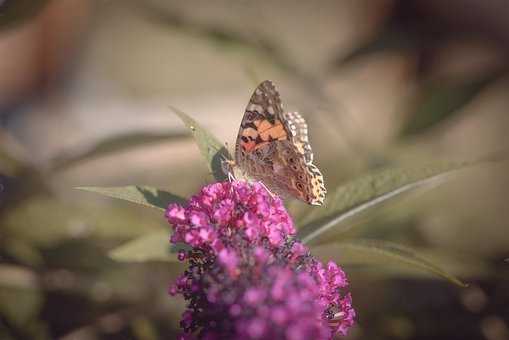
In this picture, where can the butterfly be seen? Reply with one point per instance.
(272, 147)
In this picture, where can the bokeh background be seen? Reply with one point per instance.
(85, 89)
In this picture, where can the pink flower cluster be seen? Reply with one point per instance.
(248, 277)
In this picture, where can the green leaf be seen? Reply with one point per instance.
(441, 100)
(152, 247)
(147, 196)
(367, 251)
(111, 145)
(210, 147)
(14, 12)
(364, 193)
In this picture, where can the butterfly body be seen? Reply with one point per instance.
(273, 147)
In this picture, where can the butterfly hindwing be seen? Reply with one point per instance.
(303, 178)
(298, 128)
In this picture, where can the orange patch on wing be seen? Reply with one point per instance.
(266, 131)
(269, 131)
(262, 125)
(276, 132)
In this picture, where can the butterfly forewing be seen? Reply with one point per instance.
(262, 119)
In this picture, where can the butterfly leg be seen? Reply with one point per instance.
(231, 177)
(227, 167)
(270, 192)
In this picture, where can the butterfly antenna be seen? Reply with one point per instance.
(227, 146)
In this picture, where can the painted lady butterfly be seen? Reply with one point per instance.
(272, 147)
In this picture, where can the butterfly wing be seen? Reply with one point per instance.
(261, 124)
(298, 128)
(284, 171)
(310, 176)
(293, 171)
(273, 147)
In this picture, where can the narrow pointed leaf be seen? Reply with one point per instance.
(360, 195)
(147, 196)
(368, 251)
(210, 147)
(152, 247)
